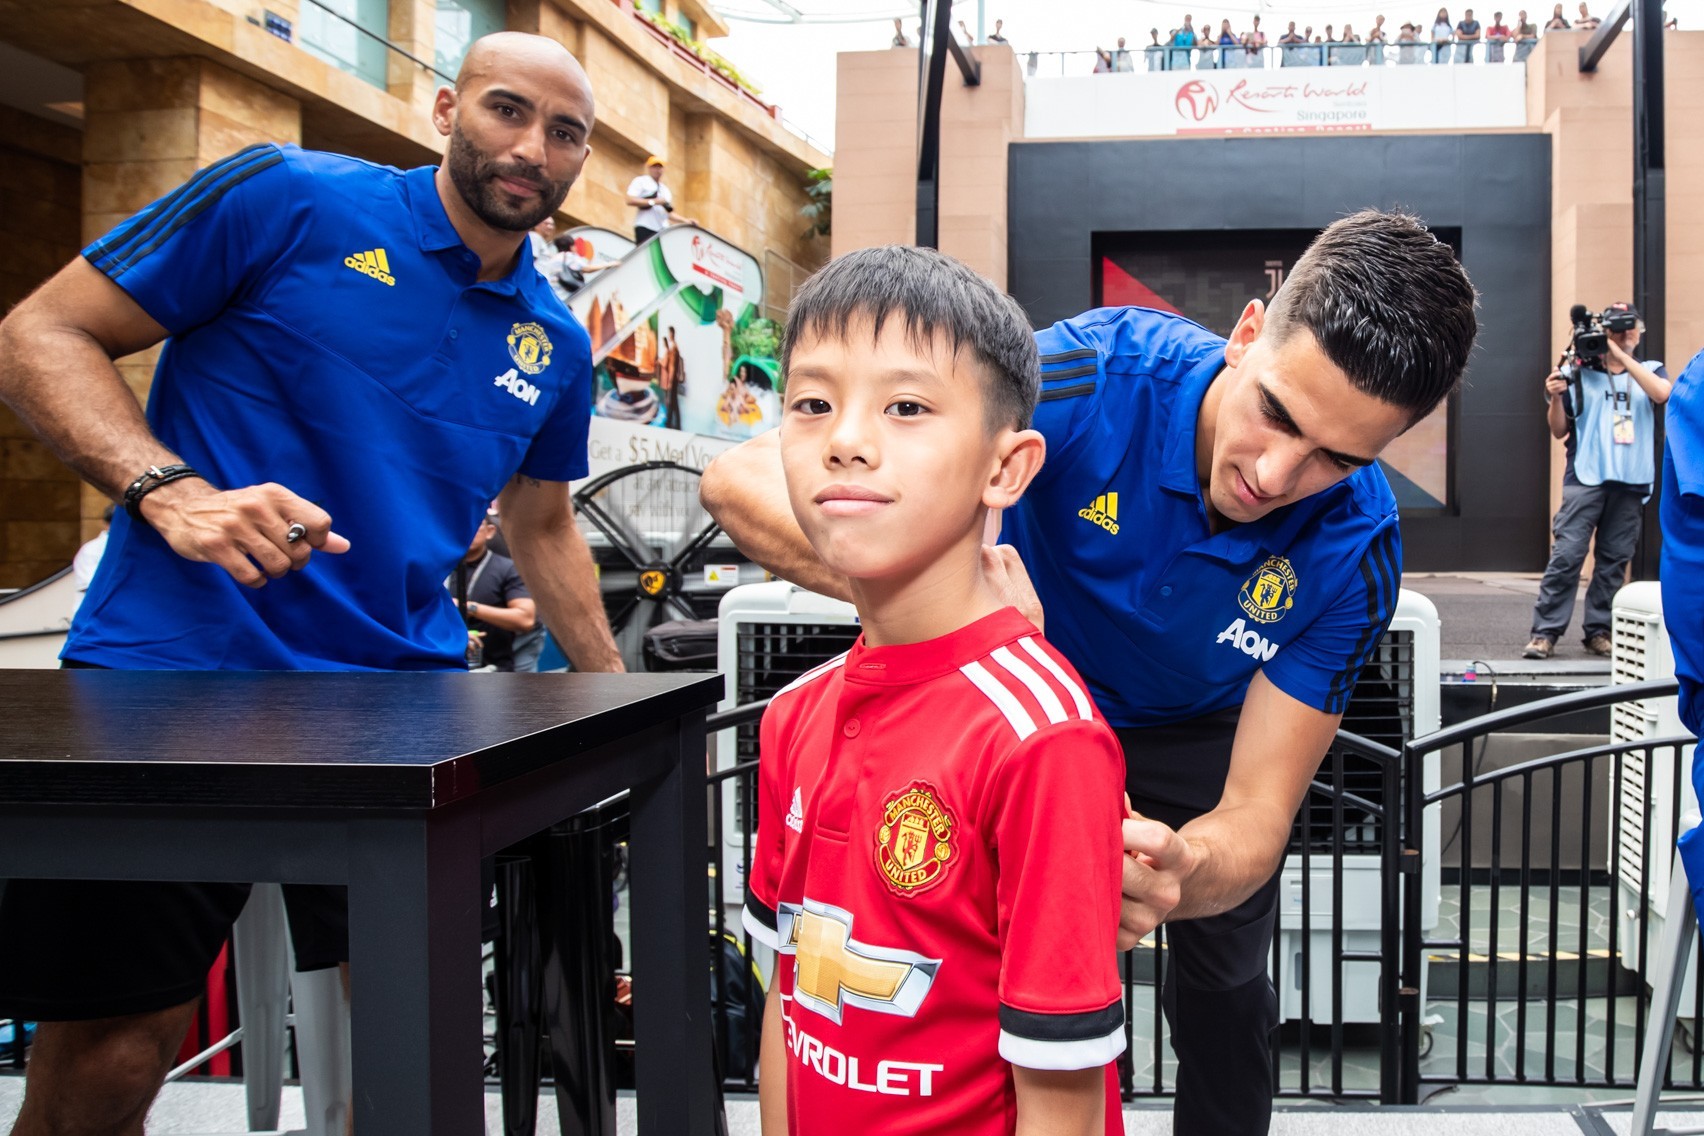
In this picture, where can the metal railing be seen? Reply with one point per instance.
(1232, 57)
(1551, 930)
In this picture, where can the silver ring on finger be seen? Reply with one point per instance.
(295, 532)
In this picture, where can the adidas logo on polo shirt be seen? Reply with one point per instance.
(796, 813)
(1103, 512)
(372, 263)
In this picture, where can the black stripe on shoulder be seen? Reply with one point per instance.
(1066, 392)
(191, 212)
(206, 188)
(1381, 576)
(138, 227)
(1062, 1027)
(1067, 356)
(758, 911)
(1076, 372)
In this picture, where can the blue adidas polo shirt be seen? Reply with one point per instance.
(328, 333)
(1166, 620)
(1682, 567)
(1683, 540)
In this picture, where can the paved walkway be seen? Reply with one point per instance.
(205, 1108)
(1488, 616)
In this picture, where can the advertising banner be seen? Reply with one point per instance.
(1278, 100)
(678, 340)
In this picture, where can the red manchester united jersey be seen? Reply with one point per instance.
(937, 863)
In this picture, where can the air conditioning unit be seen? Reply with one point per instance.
(767, 635)
(1646, 804)
(1396, 700)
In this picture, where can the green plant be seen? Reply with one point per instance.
(819, 187)
(709, 58)
(758, 337)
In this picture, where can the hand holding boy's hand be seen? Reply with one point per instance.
(1156, 862)
(1005, 570)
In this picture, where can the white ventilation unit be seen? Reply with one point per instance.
(1395, 701)
(767, 635)
(1645, 807)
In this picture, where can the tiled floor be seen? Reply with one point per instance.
(205, 1109)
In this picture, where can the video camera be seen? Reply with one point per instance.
(1589, 342)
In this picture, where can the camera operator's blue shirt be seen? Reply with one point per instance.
(1682, 568)
(1166, 620)
(328, 333)
(1594, 455)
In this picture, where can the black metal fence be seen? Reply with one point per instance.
(1552, 877)
(1508, 946)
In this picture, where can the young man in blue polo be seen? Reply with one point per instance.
(1217, 553)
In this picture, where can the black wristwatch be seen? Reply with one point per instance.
(151, 479)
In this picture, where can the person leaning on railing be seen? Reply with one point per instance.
(1442, 35)
(1526, 37)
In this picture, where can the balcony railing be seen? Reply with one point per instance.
(1214, 57)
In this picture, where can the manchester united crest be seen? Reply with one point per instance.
(529, 347)
(914, 842)
(1268, 594)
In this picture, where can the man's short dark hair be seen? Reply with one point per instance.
(932, 294)
(1388, 303)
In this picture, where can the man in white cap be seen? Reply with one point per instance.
(655, 202)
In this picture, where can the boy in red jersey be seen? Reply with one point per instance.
(938, 845)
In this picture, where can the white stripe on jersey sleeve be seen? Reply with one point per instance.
(758, 931)
(1014, 711)
(1087, 1053)
(813, 674)
(1024, 673)
(1084, 708)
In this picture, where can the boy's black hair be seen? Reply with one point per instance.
(932, 294)
(1388, 303)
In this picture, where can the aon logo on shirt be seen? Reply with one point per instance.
(1251, 643)
(512, 382)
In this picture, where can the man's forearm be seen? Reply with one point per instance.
(1236, 851)
(557, 566)
(517, 620)
(64, 386)
(1656, 387)
(745, 491)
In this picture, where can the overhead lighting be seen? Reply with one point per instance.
(72, 109)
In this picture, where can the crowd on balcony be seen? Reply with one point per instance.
(1465, 40)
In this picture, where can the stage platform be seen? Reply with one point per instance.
(205, 1108)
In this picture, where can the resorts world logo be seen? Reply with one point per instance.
(1252, 106)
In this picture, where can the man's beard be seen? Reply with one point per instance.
(475, 176)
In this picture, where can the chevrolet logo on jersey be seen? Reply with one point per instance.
(1103, 512)
(372, 263)
(833, 970)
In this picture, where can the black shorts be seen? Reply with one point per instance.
(75, 950)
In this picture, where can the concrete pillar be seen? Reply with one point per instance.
(149, 125)
(414, 29)
(875, 156)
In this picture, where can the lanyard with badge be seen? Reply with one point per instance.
(1621, 419)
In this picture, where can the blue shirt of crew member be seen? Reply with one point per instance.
(1165, 618)
(328, 331)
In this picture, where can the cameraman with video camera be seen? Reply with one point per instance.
(1599, 403)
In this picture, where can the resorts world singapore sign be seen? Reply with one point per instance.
(1285, 100)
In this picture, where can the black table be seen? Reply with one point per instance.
(396, 785)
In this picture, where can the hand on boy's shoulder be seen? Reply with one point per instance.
(1005, 570)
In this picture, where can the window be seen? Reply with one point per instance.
(459, 23)
(655, 7)
(348, 34)
(691, 28)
